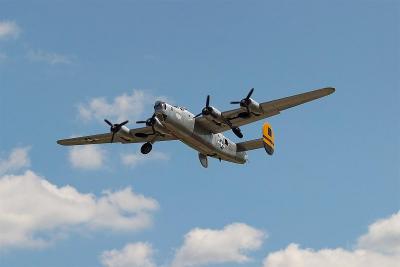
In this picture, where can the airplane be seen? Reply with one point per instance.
(203, 132)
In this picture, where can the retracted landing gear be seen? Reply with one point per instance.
(203, 160)
(146, 148)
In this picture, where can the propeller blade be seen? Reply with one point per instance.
(112, 137)
(141, 122)
(235, 102)
(250, 93)
(237, 132)
(108, 122)
(122, 124)
(198, 115)
(208, 101)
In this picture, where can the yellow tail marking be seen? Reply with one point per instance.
(268, 138)
(268, 134)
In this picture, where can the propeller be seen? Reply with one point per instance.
(245, 102)
(207, 110)
(114, 128)
(149, 122)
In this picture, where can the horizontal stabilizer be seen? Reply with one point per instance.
(250, 145)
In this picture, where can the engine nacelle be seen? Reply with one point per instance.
(213, 114)
(124, 132)
(158, 127)
(253, 106)
(268, 138)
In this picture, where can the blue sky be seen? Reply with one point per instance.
(336, 167)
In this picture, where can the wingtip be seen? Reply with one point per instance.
(326, 90)
(60, 142)
(330, 89)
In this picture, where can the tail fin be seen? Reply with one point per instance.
(268, 138)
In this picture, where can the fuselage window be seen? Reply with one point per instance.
(269, 132)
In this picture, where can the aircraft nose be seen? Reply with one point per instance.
(159, 107)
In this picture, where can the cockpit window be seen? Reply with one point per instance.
(226, 142)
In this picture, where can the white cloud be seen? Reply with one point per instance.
(138, 158)
(17, 160)
(88, 157)
(383, 236)
(132, 255)
(379, 247)
(48, 57)
(293, 256)
(9, 29)
(207, 246)
(123, 210)
(122, 107)
(34, 212)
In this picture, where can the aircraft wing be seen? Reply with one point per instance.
(269, 109)
(106, 138)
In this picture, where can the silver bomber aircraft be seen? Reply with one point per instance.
(203, 132)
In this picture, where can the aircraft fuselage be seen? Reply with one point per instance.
(180, 123)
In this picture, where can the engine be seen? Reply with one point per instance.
(124, 132)
(158, 127)
(213, 114)
(251, 106)
(254, 107)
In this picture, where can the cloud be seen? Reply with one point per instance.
(17, 160)
(125, 106)
(89, 157)
(48, 57)
(378, 247)
(383, 236)
(138, 158)
(9, 30)
(207, 246)
(295, 256)
(34, 212)
(132, 255)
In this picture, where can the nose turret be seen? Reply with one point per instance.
(159, 107)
